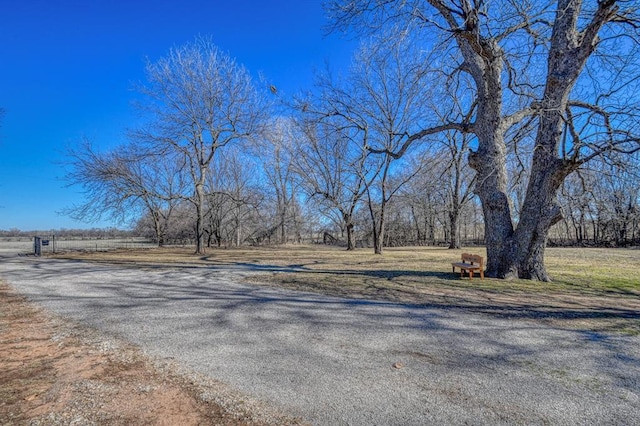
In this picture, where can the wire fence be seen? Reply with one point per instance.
(53, 244)
(57, 245)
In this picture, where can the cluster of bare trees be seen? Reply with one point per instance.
(530, 106)
(198, 102)
(215, 165)
(601, 207)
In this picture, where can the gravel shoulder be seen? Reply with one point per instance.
(332, 360)
(56, 372)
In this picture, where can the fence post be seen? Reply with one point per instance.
(36, 246)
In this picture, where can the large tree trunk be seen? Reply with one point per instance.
(484, 62)
(431, 230)
(568, 54)
(491, 189)
(283, 223)
(540, 212)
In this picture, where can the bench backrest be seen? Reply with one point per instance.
(472, 258)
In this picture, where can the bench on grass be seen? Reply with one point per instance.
(470, 263)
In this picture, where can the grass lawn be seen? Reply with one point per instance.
(593, 289)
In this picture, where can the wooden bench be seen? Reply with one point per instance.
(470, 263)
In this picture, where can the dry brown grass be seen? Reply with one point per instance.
(595, 289)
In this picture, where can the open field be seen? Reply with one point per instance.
(593, 289)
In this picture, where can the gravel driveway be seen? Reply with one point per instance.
(331, 361)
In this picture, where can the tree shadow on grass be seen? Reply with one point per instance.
(390, 275)
(478, 301)
(481, 301)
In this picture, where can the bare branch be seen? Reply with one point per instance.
(410, 139)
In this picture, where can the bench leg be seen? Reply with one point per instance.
(470, 274)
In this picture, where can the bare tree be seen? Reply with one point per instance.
(569, 66)
(456, 181)
(604, 202)
(330, 167)
(576, 201)
(601, 205)
(380, 190)
(444, 185)
(276, 152)
(125, 183)
(620, 204)
(420, 198)
(244, 200)
(232, 199)
(199, 100)
(378, 105)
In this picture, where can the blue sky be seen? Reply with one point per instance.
(67, 69)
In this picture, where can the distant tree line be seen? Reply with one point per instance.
(92, 233)
(601, 208)
(500, 123)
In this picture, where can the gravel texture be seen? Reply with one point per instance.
(337, 361)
